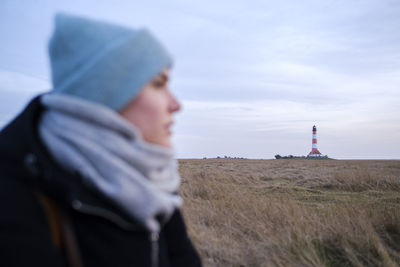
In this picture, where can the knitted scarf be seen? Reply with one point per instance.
(139, 177)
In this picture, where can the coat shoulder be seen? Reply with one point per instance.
(25, 234)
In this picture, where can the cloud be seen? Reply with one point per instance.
(258, 129)
(253, 76)
(16, 90)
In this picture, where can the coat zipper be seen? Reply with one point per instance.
(154, 236)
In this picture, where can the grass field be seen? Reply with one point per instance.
(293, 212)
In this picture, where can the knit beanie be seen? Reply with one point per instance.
(102, 62)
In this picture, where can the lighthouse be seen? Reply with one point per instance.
(314, 150)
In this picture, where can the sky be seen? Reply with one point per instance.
(253, 76)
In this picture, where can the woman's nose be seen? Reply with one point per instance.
(174, 104)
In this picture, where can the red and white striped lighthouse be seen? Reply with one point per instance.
(314, 150)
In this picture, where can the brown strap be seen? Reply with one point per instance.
(61, 230)
(70, 242)
(53, 217)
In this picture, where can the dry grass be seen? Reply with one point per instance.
(293, 212)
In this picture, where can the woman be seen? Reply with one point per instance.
(88, 177)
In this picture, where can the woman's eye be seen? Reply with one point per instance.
(158, 84)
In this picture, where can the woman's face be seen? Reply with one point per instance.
(152, 110)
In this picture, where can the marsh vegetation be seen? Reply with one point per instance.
(293, 213)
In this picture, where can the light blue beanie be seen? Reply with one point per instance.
(102, 62)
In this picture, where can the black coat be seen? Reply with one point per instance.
(105, 235)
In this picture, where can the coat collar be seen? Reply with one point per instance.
(20, 145)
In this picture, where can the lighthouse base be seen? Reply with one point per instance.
(316, 156)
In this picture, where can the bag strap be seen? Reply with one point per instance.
(62, 230)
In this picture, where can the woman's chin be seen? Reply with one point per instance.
(164, 143)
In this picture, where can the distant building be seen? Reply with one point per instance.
(314, 150)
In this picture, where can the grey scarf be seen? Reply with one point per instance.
(141, 178)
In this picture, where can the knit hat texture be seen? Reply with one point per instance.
(102, 62)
